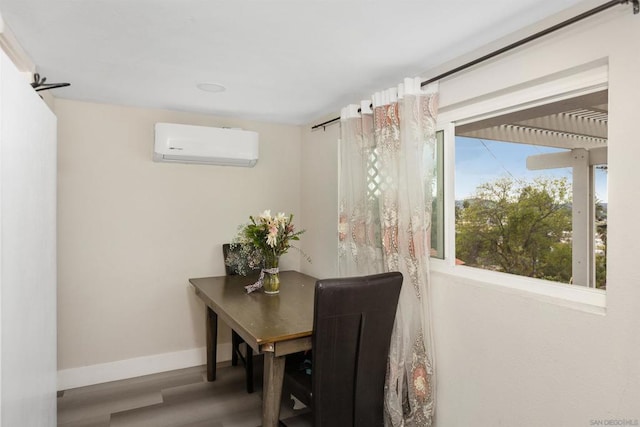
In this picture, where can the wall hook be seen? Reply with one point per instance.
(39, 84)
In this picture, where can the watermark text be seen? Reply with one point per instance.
(614, 422)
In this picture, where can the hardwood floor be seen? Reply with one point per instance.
(181, 398)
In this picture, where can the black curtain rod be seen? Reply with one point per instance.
(577, 18)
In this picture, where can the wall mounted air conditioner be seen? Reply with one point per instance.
(208, 145)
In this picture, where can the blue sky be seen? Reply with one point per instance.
(477, 163)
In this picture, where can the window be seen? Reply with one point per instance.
(437, 203)
(374, 182)
(531, 191)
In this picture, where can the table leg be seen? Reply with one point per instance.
(272, 389)
(212, 343)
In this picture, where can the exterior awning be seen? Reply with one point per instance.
(580, 122)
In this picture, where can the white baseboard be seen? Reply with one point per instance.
(136, 367)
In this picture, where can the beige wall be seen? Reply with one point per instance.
(506, 358)
(131, 231)
(320, 200)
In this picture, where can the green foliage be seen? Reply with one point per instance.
(601, 271)
(521, 228)
(601, 257)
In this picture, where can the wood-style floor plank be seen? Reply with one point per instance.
(179, 398)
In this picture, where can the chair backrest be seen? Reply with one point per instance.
(353, 320)
(229, 271)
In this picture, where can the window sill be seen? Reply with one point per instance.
(571, 296)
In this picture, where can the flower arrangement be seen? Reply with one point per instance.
(261, 242)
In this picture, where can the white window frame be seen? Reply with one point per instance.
(571, 84)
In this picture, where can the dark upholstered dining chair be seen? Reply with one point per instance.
(352, 325)
(236, 340)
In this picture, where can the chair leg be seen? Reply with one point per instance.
(249, 368)
(248, 359)
(235, 347)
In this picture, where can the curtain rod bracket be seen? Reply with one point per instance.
(39, 83)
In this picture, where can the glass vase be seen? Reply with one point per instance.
(271, 282)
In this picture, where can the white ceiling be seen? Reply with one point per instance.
(287, 61)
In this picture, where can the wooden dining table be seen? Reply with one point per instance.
(274, 325)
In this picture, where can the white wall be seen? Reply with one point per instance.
(132, 232)
(510, 359)
(27, 253)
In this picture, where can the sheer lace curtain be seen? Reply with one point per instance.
(386, 174)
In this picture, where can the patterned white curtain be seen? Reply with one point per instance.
(386, 175)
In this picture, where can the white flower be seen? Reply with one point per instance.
(266, 215)
(281, 218)
(272, 239)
